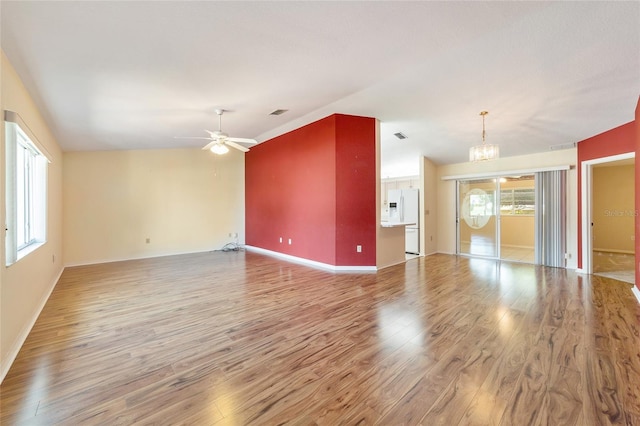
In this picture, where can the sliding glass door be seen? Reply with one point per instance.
(496, 218)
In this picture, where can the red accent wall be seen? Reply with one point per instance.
(637, 190)
(355, 190)
(316, 186)
(616, 141)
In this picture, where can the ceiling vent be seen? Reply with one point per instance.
(279, 112)
(563, 146)
(400, 135)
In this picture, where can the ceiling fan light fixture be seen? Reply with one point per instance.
(219, 149)
(485, 151)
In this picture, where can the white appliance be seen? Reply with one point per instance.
(404, 207)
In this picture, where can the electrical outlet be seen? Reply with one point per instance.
(359, 248)
(289, 241)
(281, 239)
(235, 235)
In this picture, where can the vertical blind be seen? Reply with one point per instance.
(551, 217)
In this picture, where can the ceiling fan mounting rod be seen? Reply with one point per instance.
(219, 112)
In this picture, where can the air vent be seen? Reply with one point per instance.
(279, 112)
(562, 146)
(400, 135)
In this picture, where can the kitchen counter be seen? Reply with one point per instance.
(395, 224)
(391, 243)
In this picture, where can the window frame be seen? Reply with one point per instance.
(25, 192)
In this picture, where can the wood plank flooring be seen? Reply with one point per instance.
(239, 338)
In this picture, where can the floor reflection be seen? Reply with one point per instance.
(619, 266)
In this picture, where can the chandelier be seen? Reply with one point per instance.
(484, 151)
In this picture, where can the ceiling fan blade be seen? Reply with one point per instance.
(192, 137)
(209, 145)
(243, 140)
(235, 145)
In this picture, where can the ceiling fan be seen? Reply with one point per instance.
(220, 140)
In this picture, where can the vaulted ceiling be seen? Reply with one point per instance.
(133, 75)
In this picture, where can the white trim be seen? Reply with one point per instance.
(611, 158)
(23, 252)
(6, 363)
(507, 173)
(636, 293)
(311, 263)
(14, 117)
(586, 191)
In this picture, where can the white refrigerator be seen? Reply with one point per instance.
(404, 206)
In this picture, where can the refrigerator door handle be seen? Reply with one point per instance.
(401, 208)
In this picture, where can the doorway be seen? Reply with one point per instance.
(612, 218)
(614, 260)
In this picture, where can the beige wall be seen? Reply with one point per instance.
(429, 207)
(25, 285)
(447, 193)
(614, 209)
(517, 231)
(182, 200)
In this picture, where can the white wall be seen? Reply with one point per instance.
(446, 218)
(182, 200)
(26, 285)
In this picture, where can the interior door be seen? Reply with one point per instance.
(477, 219)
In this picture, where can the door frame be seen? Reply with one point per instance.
(586, 192)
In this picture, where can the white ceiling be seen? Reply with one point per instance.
(132, 75)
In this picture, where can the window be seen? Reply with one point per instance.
(26, 189)
(517, 201)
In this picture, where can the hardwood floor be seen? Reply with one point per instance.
(240, 338)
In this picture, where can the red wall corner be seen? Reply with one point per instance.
(355, 190)
(619, 140)
(316, 186)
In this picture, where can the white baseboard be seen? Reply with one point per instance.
(24, 333)
(636, 293)
(311, 263)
